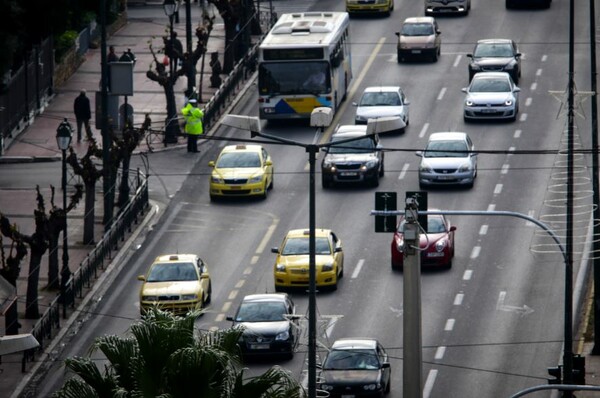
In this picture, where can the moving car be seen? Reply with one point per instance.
(369, 7)
(382, 101)
(241, 170)
(176, 282)
(436, 243)
(420, 37)
(448, 159)
(291, 265)
(447, 7)
(360, 160)
(356, 367)
(270, 324)
(496, 55)
(491, 95)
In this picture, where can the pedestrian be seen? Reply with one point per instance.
(112, 56)
(193, 124)
(83, 114)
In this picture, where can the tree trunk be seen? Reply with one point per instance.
(89, 217)
(32, 310)
(230, 47)
(53, 281)
(11, 319)
(124, 186)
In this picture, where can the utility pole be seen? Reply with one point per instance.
(106, 140)
(412, 371)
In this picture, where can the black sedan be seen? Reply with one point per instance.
(270, 324)
(496, 55)
(356, 367)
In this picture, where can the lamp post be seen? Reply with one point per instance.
(320, 118)
(64, 134)
(171, 7)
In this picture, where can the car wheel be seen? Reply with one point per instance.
(382, 169)
(388, 386)
(341, 275)
(279, 288)
(509, 4)
(400, 59)
(325, 182)
(375, 180)
(265, 191)
(449, 264)
(213, 198)
(396, 267)
(335, 285)
(209, 294)
(272, 180)
(435, 55)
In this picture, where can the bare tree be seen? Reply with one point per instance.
(10, 269)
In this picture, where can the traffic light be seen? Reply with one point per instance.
(385, 201)
(578, 369)
(555, 372)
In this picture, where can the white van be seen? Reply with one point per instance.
(447, 6)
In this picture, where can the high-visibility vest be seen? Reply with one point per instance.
(193, 119)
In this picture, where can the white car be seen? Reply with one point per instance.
(491, 95)
(383, 101)
(448, 159)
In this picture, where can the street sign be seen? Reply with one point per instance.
(385, 201)
(421, 197)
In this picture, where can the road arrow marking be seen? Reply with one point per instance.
(522, 311)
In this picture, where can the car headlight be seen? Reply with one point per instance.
(464, 167)
(475, 67)
(508, 102)
(469, 102)
(188, 297)
(327, 267)
(283, 336)
(327, 164)
(217, 180)
(371, 163)
(440, 245)
(149, 298)
(511, 65)
(425, 167)
(255, 179)
(280, 267)
(370, 387)
(400, 245)
(360, 118)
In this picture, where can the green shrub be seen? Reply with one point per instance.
(64, 43)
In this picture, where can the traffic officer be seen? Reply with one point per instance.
(193, 123)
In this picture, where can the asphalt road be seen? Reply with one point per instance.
(494, 322)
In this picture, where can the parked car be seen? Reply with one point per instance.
(496, 55)
(447, 7)
(360, 160)
(384, 7)
(176, 282)
(383, 101)
(356, 367)
(436, 243)
(420, 37)
(448, 159)
(270, 324)
(491, 95)
(291, 264)
(241, 170)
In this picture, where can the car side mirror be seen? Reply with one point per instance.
(473, 154)
(211, 163)
(338, 249)
(517, 89)
(354, 104)
(385, 365)
(438, 32)
(229, 318)
(452, 228)
(464, 89)
(141, 278)
(269, 163)
(275, 250)
(419, 153)
(517, 55)
(406, 102)
(397, 34)
(469, 55)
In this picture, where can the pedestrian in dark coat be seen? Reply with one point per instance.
(83, 114)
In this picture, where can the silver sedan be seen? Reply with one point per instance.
(491, 95)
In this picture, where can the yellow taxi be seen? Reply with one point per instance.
(176, 282)
(369, 7)
(291, 265)
(241, 170)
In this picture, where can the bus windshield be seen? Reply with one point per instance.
(285, 78)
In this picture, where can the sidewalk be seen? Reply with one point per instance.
(37, 143)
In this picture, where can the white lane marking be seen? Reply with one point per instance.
(528, 101)
(538, 72)
(533, 86)
(393, 58)
(505, 168)
(233, 294)
(441, 94)
(498, 189)
(220, 318)
(439, 353)
(358, 268)
(544, 58)
(530, 213)
(449, 325)
(429, 383)
(267, 236)
(248, 271)
(517, 133)
(475, 252)
(491, 207)
(404, 170)
(423, 130)
(523, 117)
(458, 299)
(483, 230)
(226, 306)
(457, 60)
(254, 260)
(240, 284)
(468, 275)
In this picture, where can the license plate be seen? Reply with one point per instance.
(235, 187)
(488, 111)
(435, 254)
(264, 346)
(444, 178)
(416, 51)
(348, 174)
(348, 396)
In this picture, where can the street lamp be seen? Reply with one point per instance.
(171, 8)
(320, 118)
(64, 134)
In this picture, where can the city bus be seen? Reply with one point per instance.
(303, 63)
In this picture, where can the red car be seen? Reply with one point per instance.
(437, 245)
